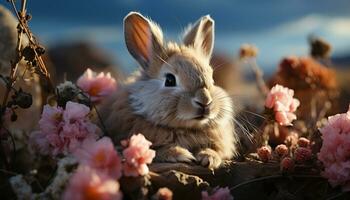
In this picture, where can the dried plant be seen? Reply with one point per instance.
(31, 54)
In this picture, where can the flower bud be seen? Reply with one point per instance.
(282, 150)
(264, 153)
(302, 154)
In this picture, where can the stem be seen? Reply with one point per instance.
(13, 72)
(259, 77)
(104, 129)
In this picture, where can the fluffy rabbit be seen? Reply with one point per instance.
(173, 100)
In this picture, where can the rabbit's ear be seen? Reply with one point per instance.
(201, 35)
(144, 39)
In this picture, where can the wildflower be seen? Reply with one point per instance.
(319, 47)
(264, 153)
(97, 86)
(100, 155)
(87, 184)
(335, 150)
(163, 194)
(281, 100)
(218, 194)
(302, 154)
(281, 150)
(137, 155)
(248, 51)
(63, 131)
(303, 142)
(302, 73)
(287, 164)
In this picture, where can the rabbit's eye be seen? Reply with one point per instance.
(170, 80)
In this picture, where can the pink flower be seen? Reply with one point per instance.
(97, 86)
(163, 194)
(335, 150)
(281, 150)
(303, 142)
(137, 155)
(302, 154)
(88, 184)
(100, 155)
(264, 153)
(218, 194)
(281, 100)
(63, 131)
(51, 118)
(39, 142)
(287, 164)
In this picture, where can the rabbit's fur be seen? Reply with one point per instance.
(171, 117)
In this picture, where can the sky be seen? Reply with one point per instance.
(277, 27)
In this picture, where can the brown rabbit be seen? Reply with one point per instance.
(173, 100)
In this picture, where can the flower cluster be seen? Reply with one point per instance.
(62, 131)
(335, 150)
(137, 155)
(87, 183)
(281, 100)
(287, 155)
(100, 167)
(98, 173)
(100, 155)
(97, 86)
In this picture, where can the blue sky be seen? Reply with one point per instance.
(277, 27)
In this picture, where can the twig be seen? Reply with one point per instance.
(272, 177)
(337, 195)
(8, 172)
(104, 129)
(24, 26)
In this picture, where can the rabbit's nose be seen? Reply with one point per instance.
(202, 98)
(201, 104)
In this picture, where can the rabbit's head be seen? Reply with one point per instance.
(176, 88)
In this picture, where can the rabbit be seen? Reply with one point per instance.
(172, 100)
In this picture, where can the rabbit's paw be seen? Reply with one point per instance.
(209, 158)
(176, 154)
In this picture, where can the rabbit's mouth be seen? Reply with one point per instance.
(202, 114)
(201, 117)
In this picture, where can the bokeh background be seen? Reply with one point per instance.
(277, 27)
